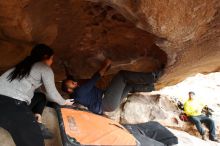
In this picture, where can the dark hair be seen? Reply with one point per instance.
(23, 68)
(191, 92)
(64, 87)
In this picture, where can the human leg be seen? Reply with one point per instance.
(210, 125)
(132, 88)
(142, 88)
(112, 95)
(137, 77)
(122, 83)
(38, 103)
(196, 120)
(37, 106)
(17, 118)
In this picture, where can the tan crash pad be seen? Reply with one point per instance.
(91, 129)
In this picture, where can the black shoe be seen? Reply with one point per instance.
(157, 74)
(45, 132)
(215, 140)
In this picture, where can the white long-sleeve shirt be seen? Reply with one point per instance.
(24, 89)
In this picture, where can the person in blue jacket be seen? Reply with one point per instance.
(98, 100)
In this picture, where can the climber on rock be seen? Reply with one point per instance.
(193, 109)
(99, 101)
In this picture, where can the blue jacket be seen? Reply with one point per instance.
(89, 95)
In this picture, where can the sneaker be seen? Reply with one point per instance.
(45, 132)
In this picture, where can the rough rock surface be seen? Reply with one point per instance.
(188, 32)
(131, 33)
(83, 35)
(185, 139)
(144, 107)
(161, 105)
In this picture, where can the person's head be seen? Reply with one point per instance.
(191, 95)
(68, 85)
(40, 52)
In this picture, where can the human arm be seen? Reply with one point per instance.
(86, 87)
(49, 84)
(89, 84)
(105, 67)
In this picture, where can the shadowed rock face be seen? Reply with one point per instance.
(188, 31)
(82, 33)
(131, 33)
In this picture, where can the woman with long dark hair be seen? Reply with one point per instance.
(17, 86)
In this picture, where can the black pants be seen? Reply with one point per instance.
(17, 118)
(123, 83)
(198, 120)
(38, 103)
(152, 134)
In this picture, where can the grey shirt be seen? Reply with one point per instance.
(24, 89)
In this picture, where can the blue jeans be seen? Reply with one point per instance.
(123, 83)
(198, 120)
